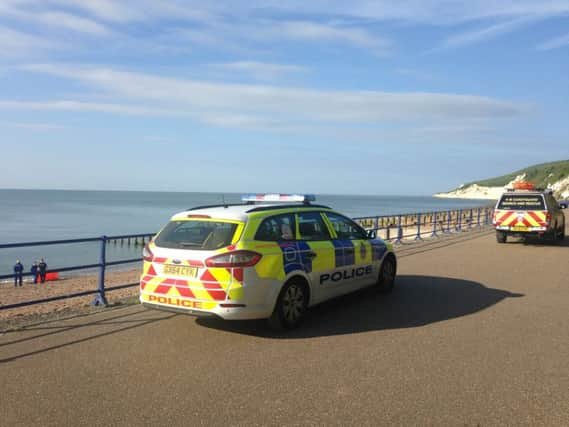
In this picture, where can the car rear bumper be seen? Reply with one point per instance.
(544, 232)
(205, 308)
(187, 311)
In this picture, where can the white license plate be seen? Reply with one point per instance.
(180, 270)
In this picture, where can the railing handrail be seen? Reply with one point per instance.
(101, 265)
(423, 213)
(69, 241)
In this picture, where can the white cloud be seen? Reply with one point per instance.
(250, 26)
(109, 10)
(557, 42)
(261, 70)
(71, 22)
(265, 105)
(16, 43)
(312, 31)
(32, 125)
(427, 11)
(83, 106)
(487, 33)
(260, 36)
(431, 11)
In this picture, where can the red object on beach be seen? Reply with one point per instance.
(52, 275)
(524, 185)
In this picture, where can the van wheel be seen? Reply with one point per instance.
(501, 237)
(561, 234)
(387, 273)
(291, 306)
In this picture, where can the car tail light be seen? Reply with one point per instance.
(147, 254)
(548, 217)
(494, 218)
(234, 259)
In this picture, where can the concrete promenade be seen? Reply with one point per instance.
(475, 333)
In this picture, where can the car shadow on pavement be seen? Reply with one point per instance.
(543, 242)
(416, 301)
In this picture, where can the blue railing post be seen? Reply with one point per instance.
(478, 225)
(101, 299)
(418, 236)
(486, 216)
(470, 219)
(434, 233)
(448, 222)
(459, 220)
(399, 231)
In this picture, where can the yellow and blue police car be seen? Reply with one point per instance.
(272, 256)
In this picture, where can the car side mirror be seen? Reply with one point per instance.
(371, 234)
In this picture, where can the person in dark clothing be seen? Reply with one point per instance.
(18, 273)
(42, 267)
(34, 271)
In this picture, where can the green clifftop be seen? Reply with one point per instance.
(554, 175)
(541, 175)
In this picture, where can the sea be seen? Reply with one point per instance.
(43, 215)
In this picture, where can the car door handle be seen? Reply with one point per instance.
(311, 254)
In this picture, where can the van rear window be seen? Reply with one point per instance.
(521, 202)
(196, 235)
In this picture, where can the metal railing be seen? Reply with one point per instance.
(395, 228)
(417, 226)
(102, 265)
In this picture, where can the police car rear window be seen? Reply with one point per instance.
(196, 235)
(521, 202)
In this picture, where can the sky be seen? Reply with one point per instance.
(362, 97)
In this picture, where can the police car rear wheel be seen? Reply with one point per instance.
(501, 237)
(291, 306)
(387, 275)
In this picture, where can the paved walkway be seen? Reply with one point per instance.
(475, 333)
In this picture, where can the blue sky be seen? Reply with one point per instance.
(359, 97)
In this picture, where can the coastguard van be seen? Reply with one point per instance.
(525, 211)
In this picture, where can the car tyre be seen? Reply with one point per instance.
(501, 237)
(290, 307)
(561, 234)
(387, 273)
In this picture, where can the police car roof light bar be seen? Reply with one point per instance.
(278, 198)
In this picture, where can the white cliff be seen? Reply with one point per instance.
(475, 191)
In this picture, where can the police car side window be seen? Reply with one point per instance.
(276, 228)
(311, 226)
(346, 229)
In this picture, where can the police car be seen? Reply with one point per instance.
(272, 256)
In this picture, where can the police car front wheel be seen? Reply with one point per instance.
(291, 306)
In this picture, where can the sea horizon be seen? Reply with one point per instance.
(32, 215)
(219, 192)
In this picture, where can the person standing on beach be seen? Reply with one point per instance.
(42, 267)
(34, 271)
(18, 273)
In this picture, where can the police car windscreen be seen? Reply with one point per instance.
(521, 202)
(196, 235)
